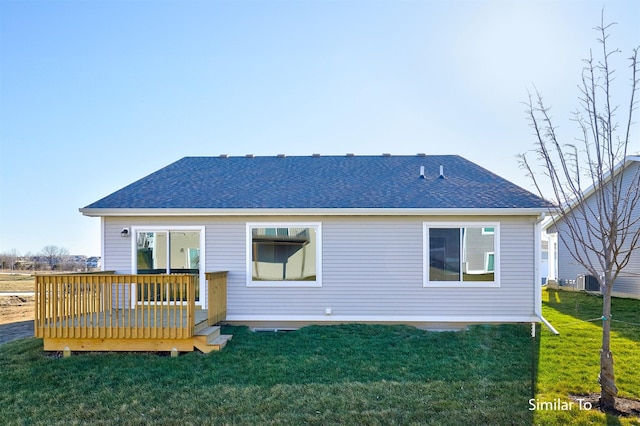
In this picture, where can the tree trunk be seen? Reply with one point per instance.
(607, 381)
(606, 378)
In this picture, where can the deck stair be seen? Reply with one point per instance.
(208, 338)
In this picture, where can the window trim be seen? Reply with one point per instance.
(248, 254)
(461, 284)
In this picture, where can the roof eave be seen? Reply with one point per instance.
(506, 211)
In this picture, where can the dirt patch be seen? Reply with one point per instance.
(16, 309)
(624, 407)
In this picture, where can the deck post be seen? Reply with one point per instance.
(217, 301)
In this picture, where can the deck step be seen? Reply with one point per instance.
(211, 333)
(209, 339)
(221, 341)
(200, 326)
(200, 343)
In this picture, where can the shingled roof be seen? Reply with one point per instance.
(321, 182)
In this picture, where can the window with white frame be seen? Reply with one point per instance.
(461, 254)
(284, 254)
(168, 250)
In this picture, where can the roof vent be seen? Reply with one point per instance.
(316, 155)
(386, 154)
(421, 154)
(223, 156)
(249, 155)
(350, 154)
(421, 172)
(441, 172)
(281, 155)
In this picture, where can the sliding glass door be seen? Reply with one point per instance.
(167, 251)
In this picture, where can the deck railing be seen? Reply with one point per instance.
(86, 306)
(217, 297)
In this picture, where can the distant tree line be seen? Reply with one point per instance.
(50, 258)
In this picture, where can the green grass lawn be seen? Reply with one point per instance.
(349, 374)
(569, 363)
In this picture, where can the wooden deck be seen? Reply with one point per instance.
(112, 312)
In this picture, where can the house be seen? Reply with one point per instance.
(566, 271)
(281, 242)
(93, 262)
(431, 240)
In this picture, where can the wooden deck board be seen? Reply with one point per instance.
(142, 317)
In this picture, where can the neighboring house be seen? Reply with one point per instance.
(544, 260)
(93, 262)
(435, 241)
(547, 254)
(568, 272)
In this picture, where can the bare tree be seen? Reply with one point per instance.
(595, 196)
(8, 259)
(54, 255)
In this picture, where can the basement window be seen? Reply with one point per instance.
(284, 255)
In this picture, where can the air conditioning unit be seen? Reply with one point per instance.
(580, 282)
(587, 282)
(591, 283)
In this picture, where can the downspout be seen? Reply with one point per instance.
(537, 295)
(549, 326)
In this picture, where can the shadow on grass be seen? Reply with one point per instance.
(612, 420)
(372, 353)
(348, 374)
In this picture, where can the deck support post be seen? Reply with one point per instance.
(66, 353)
(174, 353)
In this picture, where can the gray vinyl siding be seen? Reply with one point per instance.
(629, 280)
(371, 267)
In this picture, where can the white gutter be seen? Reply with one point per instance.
(537, 255)
(537, 295)
(549, 326)
(102, 212)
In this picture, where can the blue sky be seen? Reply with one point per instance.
(95, 95)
